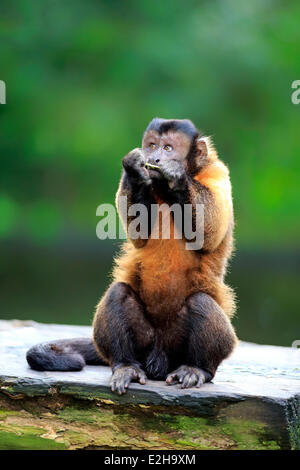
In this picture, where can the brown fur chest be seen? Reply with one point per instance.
(164, 266)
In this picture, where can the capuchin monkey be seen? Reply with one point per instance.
(167, 313)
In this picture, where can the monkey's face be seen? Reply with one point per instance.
(169, 146)
(178, 139)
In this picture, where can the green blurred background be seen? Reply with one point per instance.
(84, 77)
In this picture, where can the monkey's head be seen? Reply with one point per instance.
(176, 139)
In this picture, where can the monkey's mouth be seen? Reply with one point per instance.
(154, 170)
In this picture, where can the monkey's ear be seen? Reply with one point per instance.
(202, 146)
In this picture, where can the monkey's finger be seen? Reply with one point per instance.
(124, 381)
(172, 379)
(192, 381)
(142, 378)
(133, 374)
(113, 386)
(145, 178)
(201, 380)
(185, 381)
(143, 173)
(181, 377)
(169, 379)
(177, 377)
(127, 381)
(120, 384)
(121, 387)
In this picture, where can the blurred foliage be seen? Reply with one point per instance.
(84, 77)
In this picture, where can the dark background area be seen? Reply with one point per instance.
(84, 77)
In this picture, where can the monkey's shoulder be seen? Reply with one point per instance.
(215, 176)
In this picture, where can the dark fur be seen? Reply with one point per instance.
(162, 126)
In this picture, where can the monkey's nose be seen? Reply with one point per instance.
(153, 160)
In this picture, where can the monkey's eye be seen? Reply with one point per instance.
(168, 148)
(152, 146)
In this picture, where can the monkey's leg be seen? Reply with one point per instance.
(122, 335)
(64, 355)
(210, 339)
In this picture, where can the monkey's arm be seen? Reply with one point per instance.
(135, 185)
(211, 188)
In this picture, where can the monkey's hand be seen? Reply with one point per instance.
(187, 377)
(173, 171)
(134, 165)
(123, 375)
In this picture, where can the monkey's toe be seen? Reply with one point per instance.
(187, 377)
(124, 375)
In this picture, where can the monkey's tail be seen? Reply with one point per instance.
(64, 355)
(157, 362)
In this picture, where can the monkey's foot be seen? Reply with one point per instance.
(187, 377)
(123, 375)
